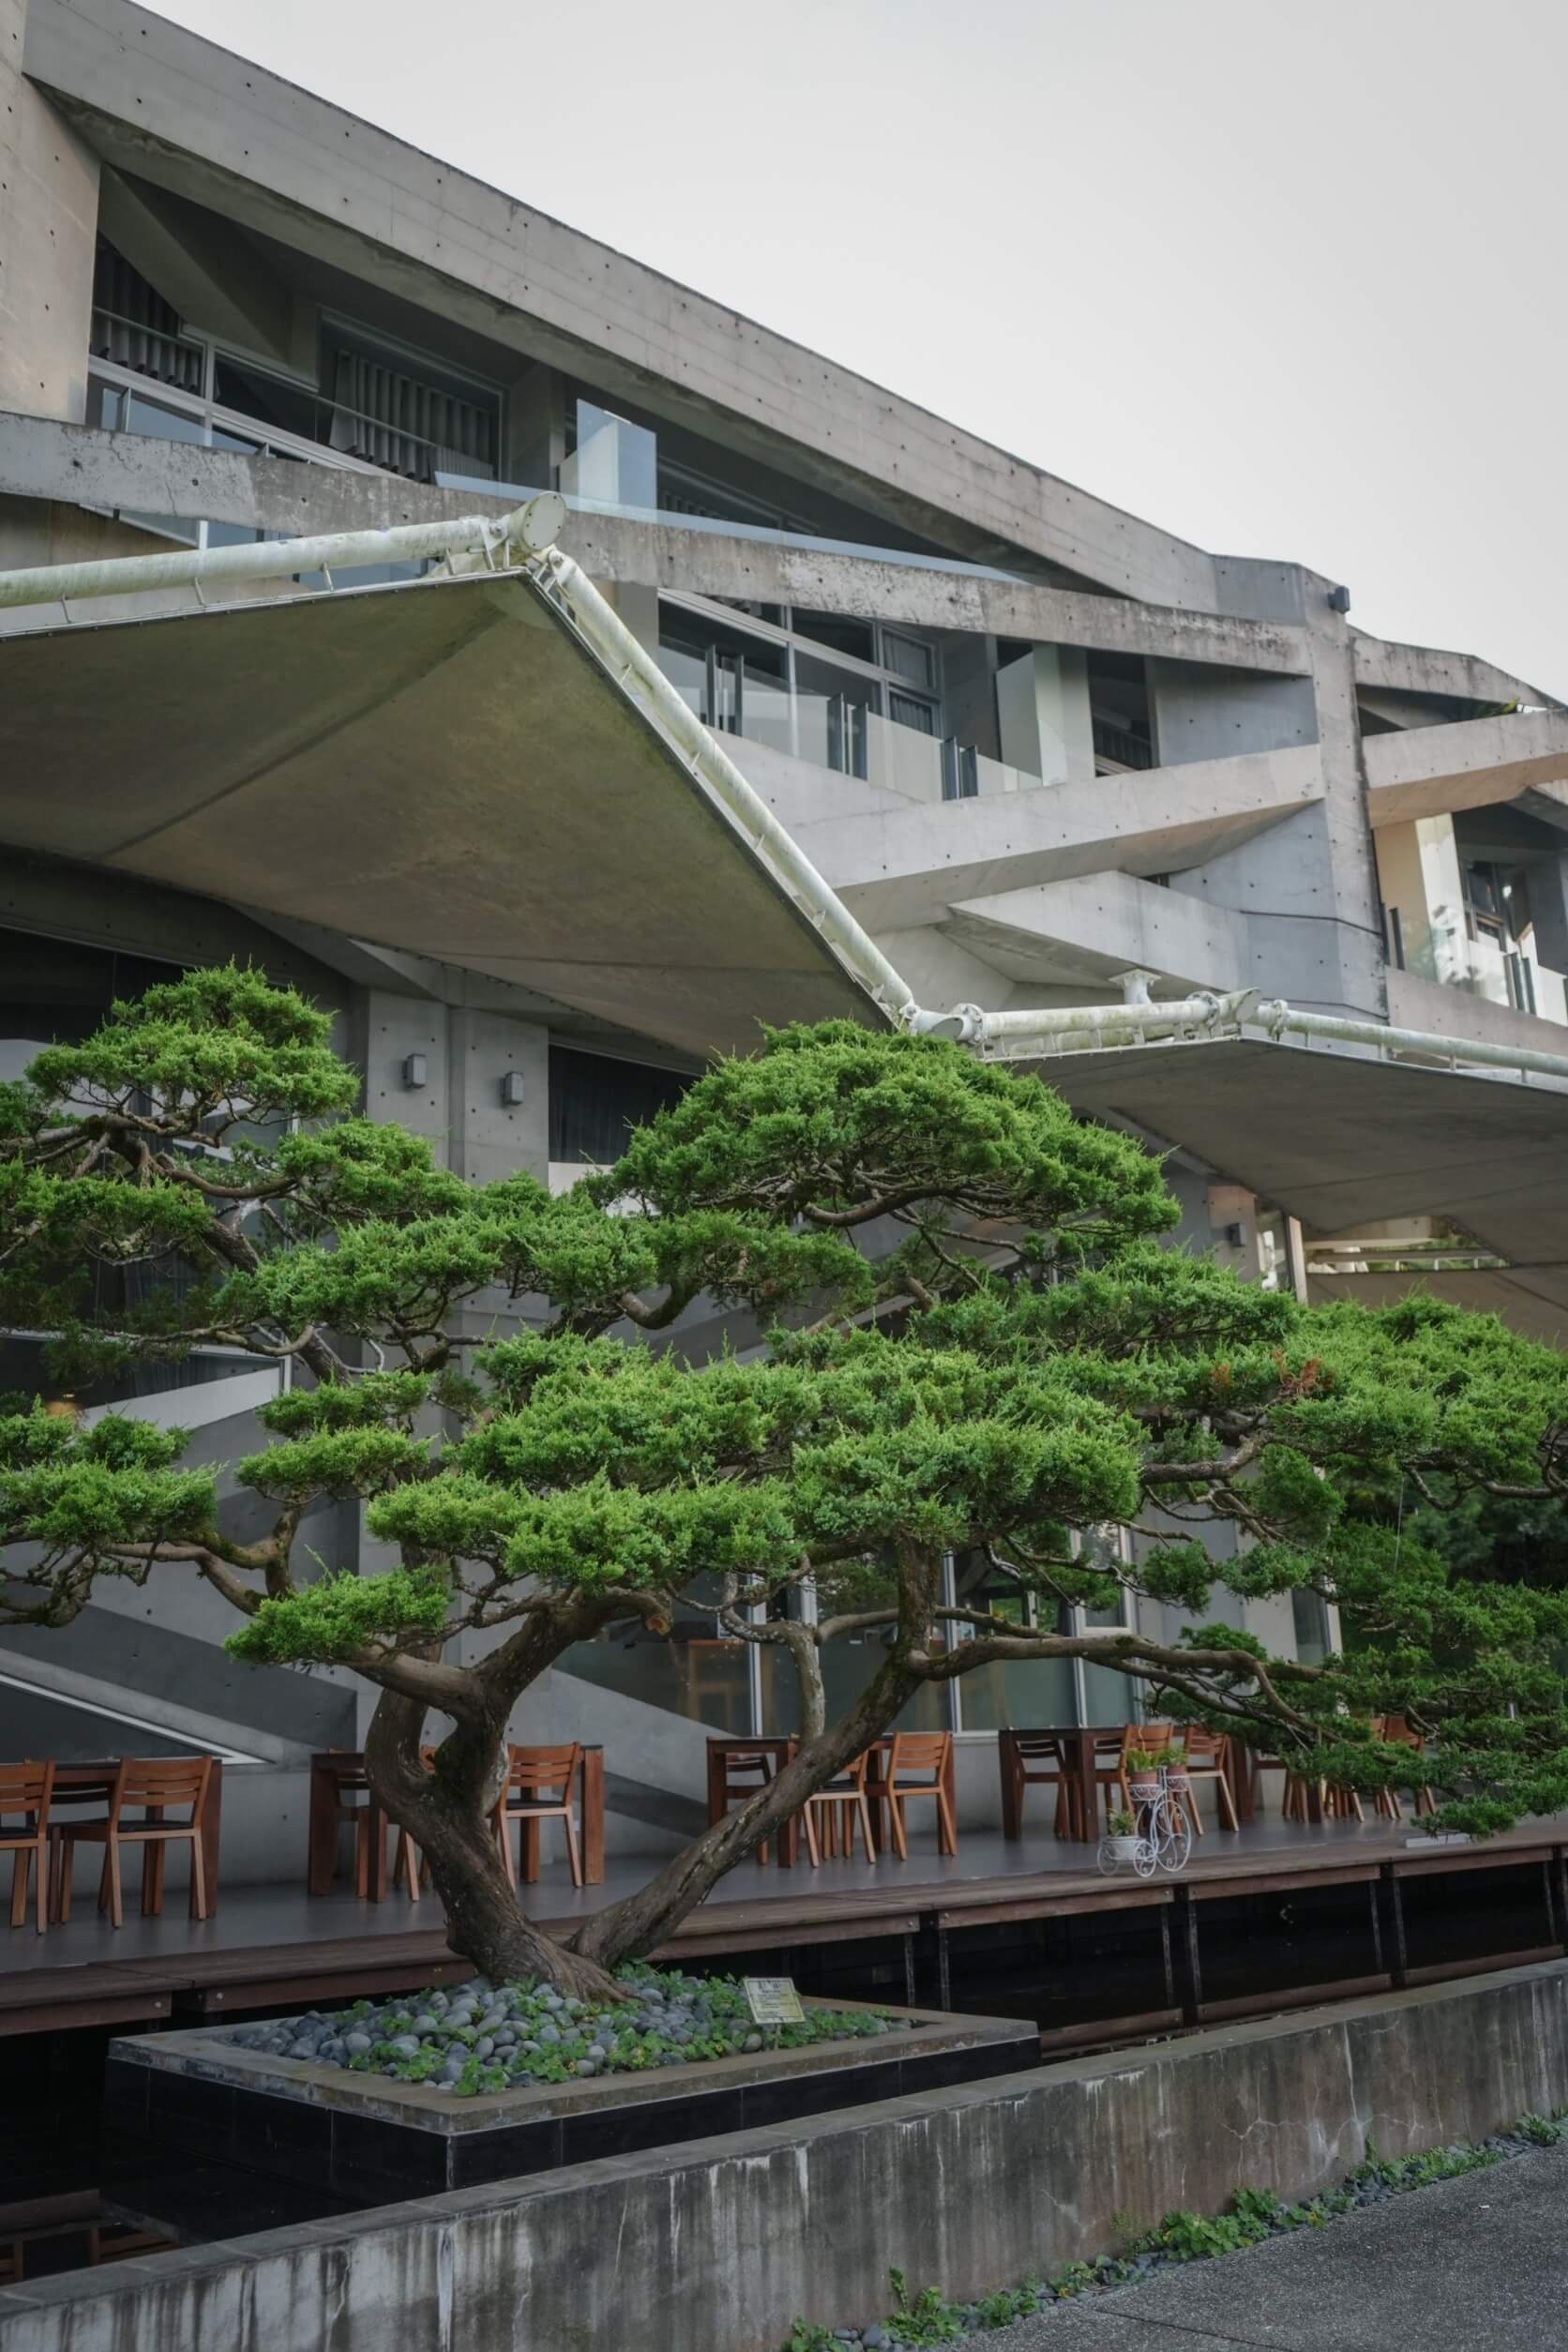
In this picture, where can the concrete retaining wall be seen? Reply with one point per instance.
(716, 2245)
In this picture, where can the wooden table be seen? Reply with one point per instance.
(92, 1785)
(781, 1750)
(341, 1770)
(1080, 1745)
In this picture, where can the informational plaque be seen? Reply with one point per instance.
(773, 2001)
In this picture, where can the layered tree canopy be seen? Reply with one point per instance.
(957, 1331)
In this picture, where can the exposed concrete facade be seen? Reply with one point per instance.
(1033, 743)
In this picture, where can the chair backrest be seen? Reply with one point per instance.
(919, 1752)
(747, 1769)
(531, 1769)
(1037, 1747)
(26, 1789)
(161, 1780)
(1202, 1746)
(852, 1774)
(1151, 1738)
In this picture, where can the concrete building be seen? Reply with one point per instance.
(1031, 743)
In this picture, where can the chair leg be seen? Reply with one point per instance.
(866, 1827)
(807, 1823)
(1225, 1802)
(41, 1864)
(198, 1878)
(20, 1861)
(947, 1843)
(1190, 1803)
(111, 1865)
(504, 1832)
(362, 1857)
(64, 1872)
(573, 1859)
(405, 1864)
(895, 1813)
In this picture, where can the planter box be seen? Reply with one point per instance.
(362, 2134)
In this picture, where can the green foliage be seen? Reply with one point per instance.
(196, 1173)
(342, 1615)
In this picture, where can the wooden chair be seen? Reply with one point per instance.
(356, 1806)
(843, 1796)
(921, 1751)
(153, 1783)
(1334, 1803)
(1206, 1761)
(533, 1777)
(1028, 1751)
(744, 1771)
(1395, 1730)
(27, 1789)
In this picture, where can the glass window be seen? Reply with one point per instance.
(837, 630)
(596, 1102)
(1014, 1694)
(293, 408)
(697, 1671)
(911, 659)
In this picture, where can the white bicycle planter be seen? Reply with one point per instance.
(1162, 1839)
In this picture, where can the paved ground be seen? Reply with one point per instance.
(1474, 2265)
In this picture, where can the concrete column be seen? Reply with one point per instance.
(1548, 912)
(488, 1137)
(49, 191)
(1043, 710)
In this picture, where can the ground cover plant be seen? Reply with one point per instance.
(1255, 2214)
(991, 1410)
(482, 2037)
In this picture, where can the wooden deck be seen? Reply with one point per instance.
(927, 1927)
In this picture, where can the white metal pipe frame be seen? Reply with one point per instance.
(523, 541)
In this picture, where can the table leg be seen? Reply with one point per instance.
(789, 1836)
(322, 1862)
(716, 1784)
(152, 1868)
(530, 1853)
(1238, 1764)
(1006, 1751)
(1089, 1794)
(377, 1887)
(211, 1825)
(593, 1817)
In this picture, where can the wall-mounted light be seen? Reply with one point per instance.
(1339, 600)
(513, 1089)
(1235, 1236)
(416, 1070)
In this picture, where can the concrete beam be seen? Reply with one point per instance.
(221, 285)
(161, 103)
(1438, 770)
(1100, 925)
(1382, 661)
(900, 870)
(40, 458)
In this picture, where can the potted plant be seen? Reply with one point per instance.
(1122, 1838)
(1175, 1761)
(1143, 1775)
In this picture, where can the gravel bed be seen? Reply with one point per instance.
(481, 2037)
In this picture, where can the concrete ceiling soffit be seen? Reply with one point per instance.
(1340, 1141)
(441, 771)
(1438, 771)
(900, 870)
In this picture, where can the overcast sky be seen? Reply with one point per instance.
(1286, 277)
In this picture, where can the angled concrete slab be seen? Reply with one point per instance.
(1098, 925)
(1438, 770)
(1340, 1141)
(901, 869)
(444, 769)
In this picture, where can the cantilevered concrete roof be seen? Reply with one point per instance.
(1341, 1141)
(445, 770)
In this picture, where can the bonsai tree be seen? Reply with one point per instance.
(975, 1344)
